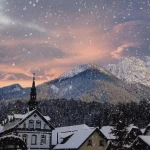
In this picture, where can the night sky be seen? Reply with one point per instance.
(49, 37)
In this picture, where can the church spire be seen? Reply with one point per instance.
(32, 104)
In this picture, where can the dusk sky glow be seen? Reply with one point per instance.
(49, 37)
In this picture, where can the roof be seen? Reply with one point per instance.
(131, 126)
(76, 140)
(143, 130)
(145, 139)
(22, 118)
(106, 130)
(59, 133)
(72, 128)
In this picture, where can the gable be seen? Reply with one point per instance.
(95, 137)
(35, 117)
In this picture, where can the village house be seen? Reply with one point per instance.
(79, 139)
(141, 143)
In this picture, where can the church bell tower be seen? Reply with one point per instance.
(32, 104)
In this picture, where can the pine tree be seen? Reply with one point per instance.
(120, 124)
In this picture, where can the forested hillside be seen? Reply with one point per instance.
(70, 112)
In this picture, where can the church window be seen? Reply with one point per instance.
(25, 137)
(89, 143)
(43, 139)
(34, 139)
(38, 124)
(31, 124)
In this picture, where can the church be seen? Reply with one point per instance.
(35, 131)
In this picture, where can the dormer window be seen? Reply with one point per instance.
(38, 124)
(31, 124)
(89, 143)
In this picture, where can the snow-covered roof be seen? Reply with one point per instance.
(76, 139)
(8, 124)
(47, 118)
(72, 128)
(146, 139)
(59, 133)
(1, 128)
(106, 130)
(22, 116)
(130, 127)
(143, 130)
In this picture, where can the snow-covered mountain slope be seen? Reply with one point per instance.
(80, 69)
(13, 91)
(87, 83)
(132, 70)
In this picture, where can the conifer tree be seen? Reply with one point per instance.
(120, 124)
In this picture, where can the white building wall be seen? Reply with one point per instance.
(34, 119)
(38, 144)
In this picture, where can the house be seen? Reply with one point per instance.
(141, 143)
(33, 128)
(133, 133)
(86, 139)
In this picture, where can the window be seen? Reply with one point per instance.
(34, 139)
(31, 124)
(43, 139)
(44, 126)
(89, 143)
(24, 125)
(38, 124)
(25, 137)
(101, 143)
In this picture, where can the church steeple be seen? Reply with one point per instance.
(32, 104)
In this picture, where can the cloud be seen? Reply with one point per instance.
(118, 53)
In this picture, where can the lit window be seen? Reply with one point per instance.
(25, 137)
(31, 124)
(33, 139)
(43, 139)
(89, 143)
(38, 124)
(101, 143)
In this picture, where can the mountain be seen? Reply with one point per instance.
(132, 70)
(13, 91)
(86, 83)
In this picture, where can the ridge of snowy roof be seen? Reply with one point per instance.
(72, 128)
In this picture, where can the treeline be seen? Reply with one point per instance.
(71, 112)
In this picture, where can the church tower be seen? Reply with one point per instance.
(32, 104)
